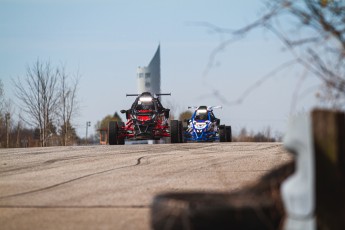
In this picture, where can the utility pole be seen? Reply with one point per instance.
(7, 117)
(88, 124)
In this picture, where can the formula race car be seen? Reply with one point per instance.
(147, 119)
(203, 126)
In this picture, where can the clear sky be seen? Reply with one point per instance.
(106, 40)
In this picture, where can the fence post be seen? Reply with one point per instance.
(329, 146)
(298, 191)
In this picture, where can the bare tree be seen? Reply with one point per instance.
(312, 30)
(38, 95)
(68, 104)
(2, 97)
(317, 41)
(6, 117)
(2, 115)
(8, 111)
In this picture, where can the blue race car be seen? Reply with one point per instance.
(203, 126)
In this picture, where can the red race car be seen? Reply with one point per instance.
(147, 119)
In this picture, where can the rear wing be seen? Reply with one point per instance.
(214, 107)
(208, 107)
(156, 94)
(163, 94)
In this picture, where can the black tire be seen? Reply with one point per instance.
(181, 132)
(228, 133)
(222, 134)
(120, 140)
(112, 133)
(174, 131)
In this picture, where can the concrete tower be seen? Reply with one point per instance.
(149, 78)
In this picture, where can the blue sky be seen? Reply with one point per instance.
(105, 41)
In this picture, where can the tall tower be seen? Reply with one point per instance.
(149, 77)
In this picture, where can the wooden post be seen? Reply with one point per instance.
(329, 146)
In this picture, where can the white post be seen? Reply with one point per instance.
(298, 191)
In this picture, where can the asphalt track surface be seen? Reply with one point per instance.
(112, 187)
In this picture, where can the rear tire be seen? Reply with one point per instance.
(222, 134)
(112, 133)
(120, 140)
(174, 131)
(228, 133)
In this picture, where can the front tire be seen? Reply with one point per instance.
(112, 133)
(222, 134)
(174, 131)
(228, 133)
(120, 140)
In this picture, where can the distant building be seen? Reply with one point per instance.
(149, 78)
